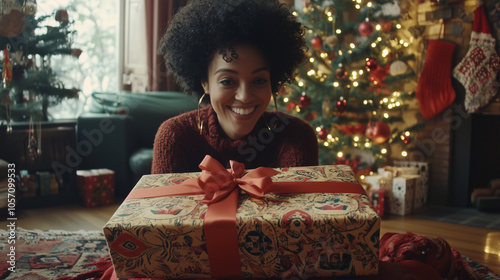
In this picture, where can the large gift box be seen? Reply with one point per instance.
(96, 187)
(304, 222)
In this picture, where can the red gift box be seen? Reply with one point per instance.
(96, 186)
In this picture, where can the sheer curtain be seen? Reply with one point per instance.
(158, 14)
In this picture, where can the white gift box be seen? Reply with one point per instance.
(421, 192)
(403, 194)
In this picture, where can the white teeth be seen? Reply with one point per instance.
(241, 111)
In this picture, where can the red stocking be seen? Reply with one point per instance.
(478, 70)
(434, 90)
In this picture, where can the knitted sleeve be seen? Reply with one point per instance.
(171, 142)
(300, 146)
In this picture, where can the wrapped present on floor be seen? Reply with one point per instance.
(381, 182)
(403, 194)
(47, 183)
(96, 186)
(421, 192)
(378, 200)
(291, 222)
(28, 184)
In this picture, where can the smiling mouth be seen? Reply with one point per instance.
(243, 111)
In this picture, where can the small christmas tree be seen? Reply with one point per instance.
(29, 86)
(353, 88)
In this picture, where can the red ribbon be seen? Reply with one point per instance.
(220, 188)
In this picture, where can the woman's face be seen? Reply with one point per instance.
(240, 89)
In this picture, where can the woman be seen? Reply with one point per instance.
(235, 55)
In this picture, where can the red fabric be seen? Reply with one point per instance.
(435, 252)
(179, 147)
(434, 89)
(481, 24)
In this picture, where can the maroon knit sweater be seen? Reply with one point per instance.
(179, 147)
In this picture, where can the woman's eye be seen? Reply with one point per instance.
(260, 81)
(226, 82)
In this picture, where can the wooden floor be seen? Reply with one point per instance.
(480, 244)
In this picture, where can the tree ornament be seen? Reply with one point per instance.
(311, 116)
(386, 24)
(378, 75)
(7, 68)
(323, 134)
(332, 40)
(62, 16)
(398, 67)
(341, 105)
(379, 132)
(405, 137)
(316, 43)
(305, 101)
(76, 52)
(341, 72)
(366, 28)
(290, 106)
(371, 64)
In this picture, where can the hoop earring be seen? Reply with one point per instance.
(200, 123)
(275, 104)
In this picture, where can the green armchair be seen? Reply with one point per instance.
(117, 132)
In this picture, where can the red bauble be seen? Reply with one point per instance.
(341, 105)
(386, 25)
(305, 101)
(290, 106)
(371, 64)
(316, 43)
(366, 28)
(323, 134)
(379, 132)
(311, 117)
(378, 75)
(405, 138)
(62, 16)
(341, 72)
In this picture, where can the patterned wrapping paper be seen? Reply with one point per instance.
(283, 235)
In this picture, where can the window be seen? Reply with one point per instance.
(97, 35)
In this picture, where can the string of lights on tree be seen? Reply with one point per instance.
(351, 88)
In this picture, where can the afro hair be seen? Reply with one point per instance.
(204, 27)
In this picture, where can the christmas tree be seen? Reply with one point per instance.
(29, 86)
(356, 86)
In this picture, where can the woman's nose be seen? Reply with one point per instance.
(244, 94)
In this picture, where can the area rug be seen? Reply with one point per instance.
(53, 255)
(49, 255)
(462, 216)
